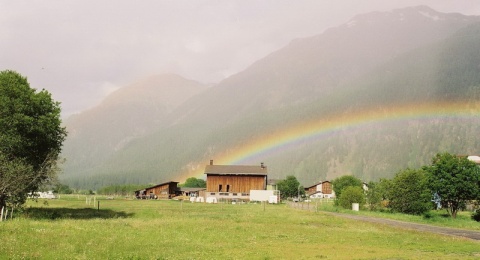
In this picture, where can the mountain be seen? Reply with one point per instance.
(133, 111)
(375, 61)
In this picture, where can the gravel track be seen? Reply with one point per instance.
(471, 234)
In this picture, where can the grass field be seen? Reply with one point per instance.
(68, 228)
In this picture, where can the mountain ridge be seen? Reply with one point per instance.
(339, 71)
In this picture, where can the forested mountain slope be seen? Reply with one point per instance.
(374, 62)
(130, 112)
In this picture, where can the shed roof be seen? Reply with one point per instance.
(236, 170)
(161, 184)
(318, 183)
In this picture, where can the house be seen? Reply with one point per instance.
(43, 195)
(322, 189)
(234, 182)
(192, 192)
(165, 190)
(272, 184)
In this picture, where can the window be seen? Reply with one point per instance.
(220, 188)
(228, 188)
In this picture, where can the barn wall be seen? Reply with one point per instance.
(312, 190)
(327, 187)
(236, 183)
(162, 191)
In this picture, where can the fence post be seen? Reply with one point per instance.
(1, 215)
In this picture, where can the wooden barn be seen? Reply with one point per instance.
(165, 190)
(234, 182)
(320, 190)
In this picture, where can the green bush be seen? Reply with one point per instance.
(409, 193)
(351, 194)
(476, 215)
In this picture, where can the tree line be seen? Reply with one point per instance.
(450, 182)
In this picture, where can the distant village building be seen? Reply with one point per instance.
(234, 182)
(272, 184)
(192, 193)
(165, 190)
(322, 189)
(43, 195)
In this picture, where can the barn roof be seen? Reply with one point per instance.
(161, 184)
(236, 169)
(316, 184)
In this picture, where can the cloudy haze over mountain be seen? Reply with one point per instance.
(81, 51)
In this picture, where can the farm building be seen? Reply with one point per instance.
(321, 190)
(193, 193)
(272, 184)
(165, 190)
(234, 182)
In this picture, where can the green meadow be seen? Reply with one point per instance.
(69, 228)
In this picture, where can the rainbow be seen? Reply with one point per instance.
(283, 139)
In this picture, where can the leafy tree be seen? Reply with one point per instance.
(62, 189)
(383, 187)
(341, 183)
(193, 182)
(122, 190)
(456, 180)
(290, 187)
(351, 194)
(373, 195)
(31, 137)
(409, 192)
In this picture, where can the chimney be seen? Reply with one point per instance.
(262, 165)
(211, 162)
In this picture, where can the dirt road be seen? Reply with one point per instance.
(471, 234)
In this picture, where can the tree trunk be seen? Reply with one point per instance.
(454, 213)
(3, 202)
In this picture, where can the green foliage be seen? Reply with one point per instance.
(476, 215)
(193, 182)
(119, 190)
(62, 189)
(409, 192)
(290, 187)
(341, 183)
(455, 179)
(15, 179)
(373, 195)
(351, 194)
(31, 137)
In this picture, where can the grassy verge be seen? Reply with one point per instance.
(434, 217)
(131, 229)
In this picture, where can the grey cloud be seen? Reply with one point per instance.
(81, 50)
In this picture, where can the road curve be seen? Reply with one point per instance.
(471, 234)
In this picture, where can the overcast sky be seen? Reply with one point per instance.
(82, 50)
